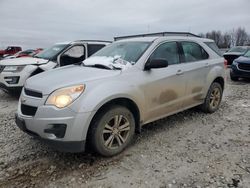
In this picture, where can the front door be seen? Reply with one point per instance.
(73, 55)
(165, 87)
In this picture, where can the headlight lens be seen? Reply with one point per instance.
(235, 62)
(62, 98)
(13, 68)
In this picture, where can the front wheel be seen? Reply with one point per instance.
(213, 98)
(112, 131)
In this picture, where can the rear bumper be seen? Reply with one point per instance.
(63, 146)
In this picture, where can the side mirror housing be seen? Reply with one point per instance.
(156, 64)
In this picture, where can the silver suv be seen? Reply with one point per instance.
(110, 96)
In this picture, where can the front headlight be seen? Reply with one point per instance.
(13, 68)
(235, 62)
(62, 98)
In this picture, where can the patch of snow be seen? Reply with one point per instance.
(109, 62)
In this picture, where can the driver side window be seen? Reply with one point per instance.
(167, 51)
(75, 51)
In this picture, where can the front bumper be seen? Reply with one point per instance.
(10, 89)
(64, 146)
(239, 73)
(43, 122)
(15, 80)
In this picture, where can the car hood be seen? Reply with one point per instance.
(23, 61)
(233, 53)
(243, 59)
(49, 81)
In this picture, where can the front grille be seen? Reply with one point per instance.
(1, 68)
(33, 93)
(244, 66)
(28, 110)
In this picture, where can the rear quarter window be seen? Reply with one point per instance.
(214, 47)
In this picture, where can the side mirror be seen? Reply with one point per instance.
(156, 64)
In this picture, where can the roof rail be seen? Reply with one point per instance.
(92, 41)
(187, 34)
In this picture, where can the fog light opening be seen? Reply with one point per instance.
(58, 130)
(12, 79)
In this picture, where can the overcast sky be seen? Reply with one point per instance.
(40, 23)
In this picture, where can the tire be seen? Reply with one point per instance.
(234, 78)
(109, 138)
(213, 98)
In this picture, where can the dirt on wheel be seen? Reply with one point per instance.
(189, 149)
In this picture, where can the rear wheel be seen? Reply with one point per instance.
(112, 131)
(213, 98)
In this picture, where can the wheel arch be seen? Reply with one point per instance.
(121, 101)
(221, 81)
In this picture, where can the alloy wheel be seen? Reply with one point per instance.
(215, 98)
(116, 132)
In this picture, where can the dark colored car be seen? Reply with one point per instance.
(11, 50)
(234, 53)
(241, 67)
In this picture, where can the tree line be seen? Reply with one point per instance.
(235, 37)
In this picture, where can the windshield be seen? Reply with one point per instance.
(128, 51)
(247, 54)
(238, 49)
(50, 53)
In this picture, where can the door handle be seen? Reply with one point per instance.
(207, 65)
(179, 72)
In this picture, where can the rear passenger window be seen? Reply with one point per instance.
(93, 48)
(193, 52)
(167, 51)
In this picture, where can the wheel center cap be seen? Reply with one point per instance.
(115, 131)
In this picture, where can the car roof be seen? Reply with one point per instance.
(86, 41)
(162, 38)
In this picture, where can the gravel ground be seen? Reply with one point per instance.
(190, 149)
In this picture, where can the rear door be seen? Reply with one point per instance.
(196, 68)
(164, 88)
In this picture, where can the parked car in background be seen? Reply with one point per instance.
(241, 67)
(14, 72)
(234, 53)
(11, 50)
(123, 86)
(25, 53)
(36, 51)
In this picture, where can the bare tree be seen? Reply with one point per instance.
(216, 36)
(241, 36)
(226, 40)
(235, 37)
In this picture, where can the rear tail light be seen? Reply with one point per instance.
(225, 63)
